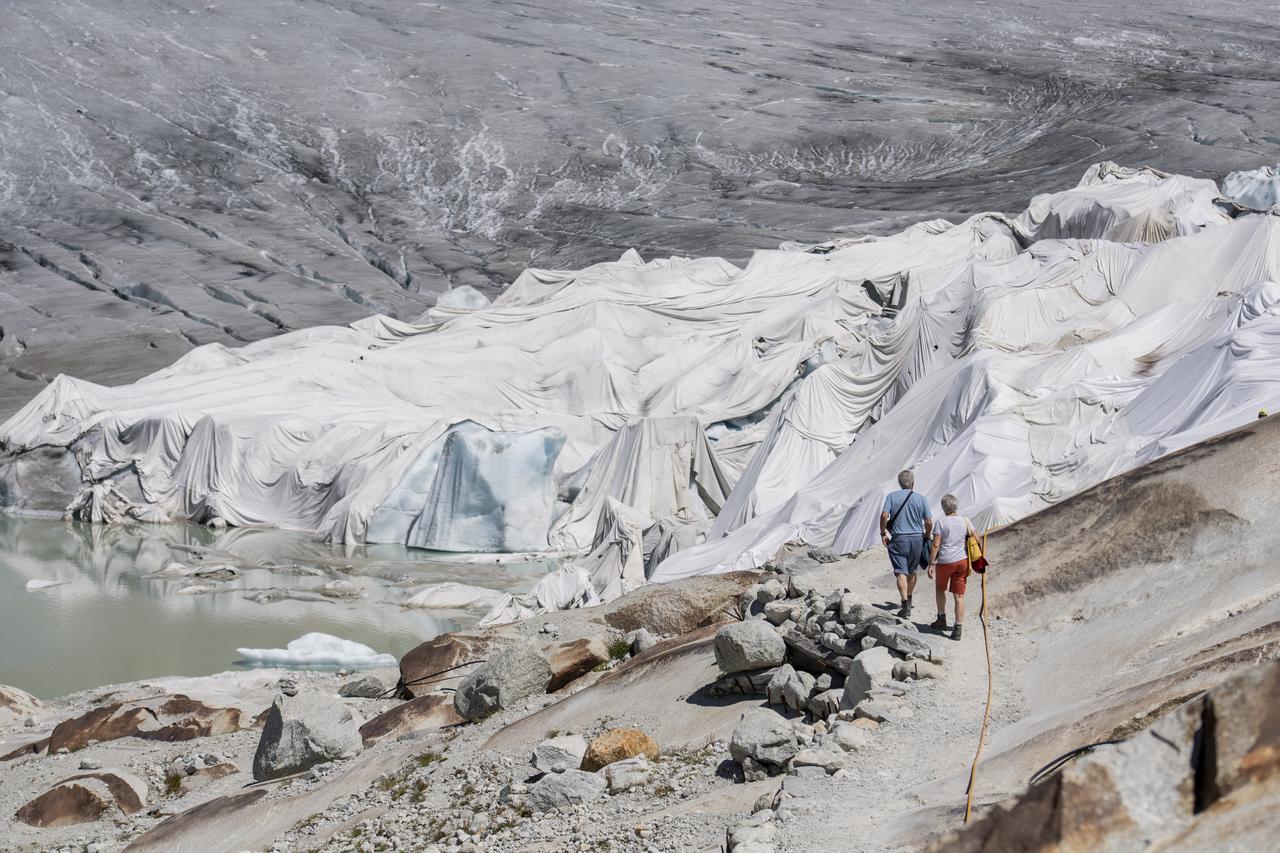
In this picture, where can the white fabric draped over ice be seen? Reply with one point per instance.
(684, 416)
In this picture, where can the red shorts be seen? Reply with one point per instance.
(951, 576)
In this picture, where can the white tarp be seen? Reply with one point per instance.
(1010, 361)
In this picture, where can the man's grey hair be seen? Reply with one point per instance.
(906, 479)
(950, 504)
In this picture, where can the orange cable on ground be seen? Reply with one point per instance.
(986, 715)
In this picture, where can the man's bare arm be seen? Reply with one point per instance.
(884, 527)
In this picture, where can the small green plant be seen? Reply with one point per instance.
(357, 832)
(619, 649)
(663, 791)
(429, 758)
(173, 782)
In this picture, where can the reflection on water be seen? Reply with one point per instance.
(110, 623)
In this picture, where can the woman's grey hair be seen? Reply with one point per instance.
(906, 480)
(950, 504)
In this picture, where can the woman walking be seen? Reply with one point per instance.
(949, 562)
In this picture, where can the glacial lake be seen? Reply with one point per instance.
(109, 622)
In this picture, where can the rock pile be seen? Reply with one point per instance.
(836, 661)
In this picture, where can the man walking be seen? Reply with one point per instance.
(905, 524)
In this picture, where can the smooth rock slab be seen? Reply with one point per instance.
(748, 645)
(17, 704)
(573, 659)
(84, 798)
(302, 731)
(562, 790)
(829, 759)
(423, 713)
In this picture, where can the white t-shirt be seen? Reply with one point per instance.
(952, 529)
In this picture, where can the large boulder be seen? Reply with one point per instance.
(17, 705)
(557, 754)
(573, 659)
(84, 798)
(617, 745)
(564, 790)
(442, 662)
(671, 610)
(870, 669)
(765, 737)
(749, 645)
(511, 674)
(425, 713)
(304, 730)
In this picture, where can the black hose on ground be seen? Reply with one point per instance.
(388, 694)
(1057, 763)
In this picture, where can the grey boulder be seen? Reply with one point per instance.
(870, 669)
(626, 774)
(563, 790)
(749, 645)
(558, 754)
(640, 640)
(765, 737)
(302, 731)
(510, 674)
(365, 687)
(790, 688)
(905, 640)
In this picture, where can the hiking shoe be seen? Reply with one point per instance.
(904, 611)
(955, 633)
(939, 624)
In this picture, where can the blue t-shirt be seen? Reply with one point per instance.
(912, 518)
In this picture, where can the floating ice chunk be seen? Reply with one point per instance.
(316, 649)
(39, 583)
(454, 595)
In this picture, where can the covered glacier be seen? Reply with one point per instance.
(680, 416)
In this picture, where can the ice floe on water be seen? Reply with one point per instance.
(39, 583)
(319, 650)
